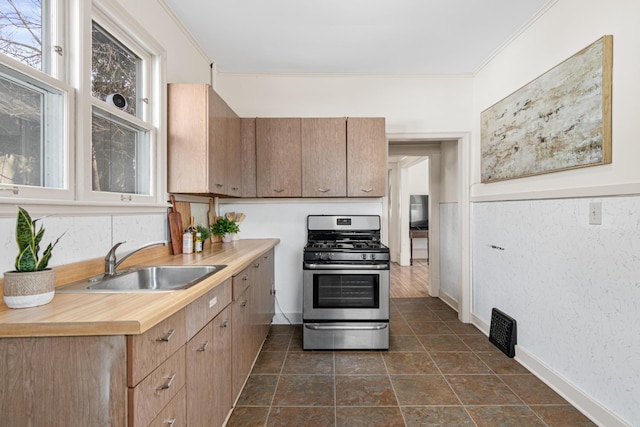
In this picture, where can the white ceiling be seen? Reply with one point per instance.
(353, 36)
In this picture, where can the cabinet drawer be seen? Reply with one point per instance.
(201, 311)
(148, 350)
(241, 282)
(174, 414)
(148, 398)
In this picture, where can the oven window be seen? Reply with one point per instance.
(346, 291)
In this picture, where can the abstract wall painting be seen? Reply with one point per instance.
(559, 121)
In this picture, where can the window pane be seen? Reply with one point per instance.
(114, 70)
(21, 32)
(120, 156)
(31, 136)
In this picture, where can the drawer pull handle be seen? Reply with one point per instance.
(204, 346)
(167, 337)
(245, 277)
(279, 190)
(367, 190)
(243, 303)
(256, 265)
(324, 190)
(170, 422)
(225, 323)
(219, 185)
(234, 188)
(168, 383)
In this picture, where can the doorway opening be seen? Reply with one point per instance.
(448, 275)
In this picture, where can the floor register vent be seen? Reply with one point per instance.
(503, 332)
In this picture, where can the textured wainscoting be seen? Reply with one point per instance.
(574, 289)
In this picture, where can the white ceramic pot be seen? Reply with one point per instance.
(29, 289)
(226, 238)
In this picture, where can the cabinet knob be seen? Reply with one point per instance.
(168, 383)
(168, 336)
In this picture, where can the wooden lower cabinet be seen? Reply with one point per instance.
(189, 369)
(63, 381)
(208, 373)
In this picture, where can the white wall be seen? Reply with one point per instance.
(572, 287)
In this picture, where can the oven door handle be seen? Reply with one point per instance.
(316, 266)
(319, 327)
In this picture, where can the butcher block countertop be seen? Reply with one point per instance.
(76, 314)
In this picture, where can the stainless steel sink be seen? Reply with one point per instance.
(157, 278)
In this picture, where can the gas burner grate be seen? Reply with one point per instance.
(503, 332)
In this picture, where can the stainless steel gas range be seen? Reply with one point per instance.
(345, 284)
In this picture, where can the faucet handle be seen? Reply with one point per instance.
(111, 255)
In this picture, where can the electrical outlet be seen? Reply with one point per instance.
(595, 213)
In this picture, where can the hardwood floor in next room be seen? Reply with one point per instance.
(437, 372)
(410, 281)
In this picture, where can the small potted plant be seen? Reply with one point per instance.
(225, 228)
(31, 283)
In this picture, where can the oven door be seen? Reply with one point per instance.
(345, 294)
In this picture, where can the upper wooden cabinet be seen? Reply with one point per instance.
(278, 157)
(248, 143)
(204, 151)
(324, 157)
(366, 157)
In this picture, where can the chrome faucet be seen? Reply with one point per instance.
(110, 263)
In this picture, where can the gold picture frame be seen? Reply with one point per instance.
(559, 121)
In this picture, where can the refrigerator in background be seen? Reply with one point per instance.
(419, 212)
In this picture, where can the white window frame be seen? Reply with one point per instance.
(13, 193)
(118, 23)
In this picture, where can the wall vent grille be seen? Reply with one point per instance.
(503, 332)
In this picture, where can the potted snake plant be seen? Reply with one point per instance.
(31, 283)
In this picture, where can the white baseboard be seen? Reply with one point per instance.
(584, 403)
(448, 299)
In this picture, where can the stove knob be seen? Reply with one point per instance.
(373, 256)
(363, 256)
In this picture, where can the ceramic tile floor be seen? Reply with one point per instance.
(437, 372)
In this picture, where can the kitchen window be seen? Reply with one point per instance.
(81, 95)
(35, 106)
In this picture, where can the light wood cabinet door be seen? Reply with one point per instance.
(278, 157)
(324, 157)
(188, 149)
(209, 373)
(241, 341)
(233, 161)
(203, 144)
(248, 156)
(366, 157)
(222, 359)
(63, 381)
(218, 131)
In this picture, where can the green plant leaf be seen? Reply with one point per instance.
(24, 230)
(46, 256)
(26, 260)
